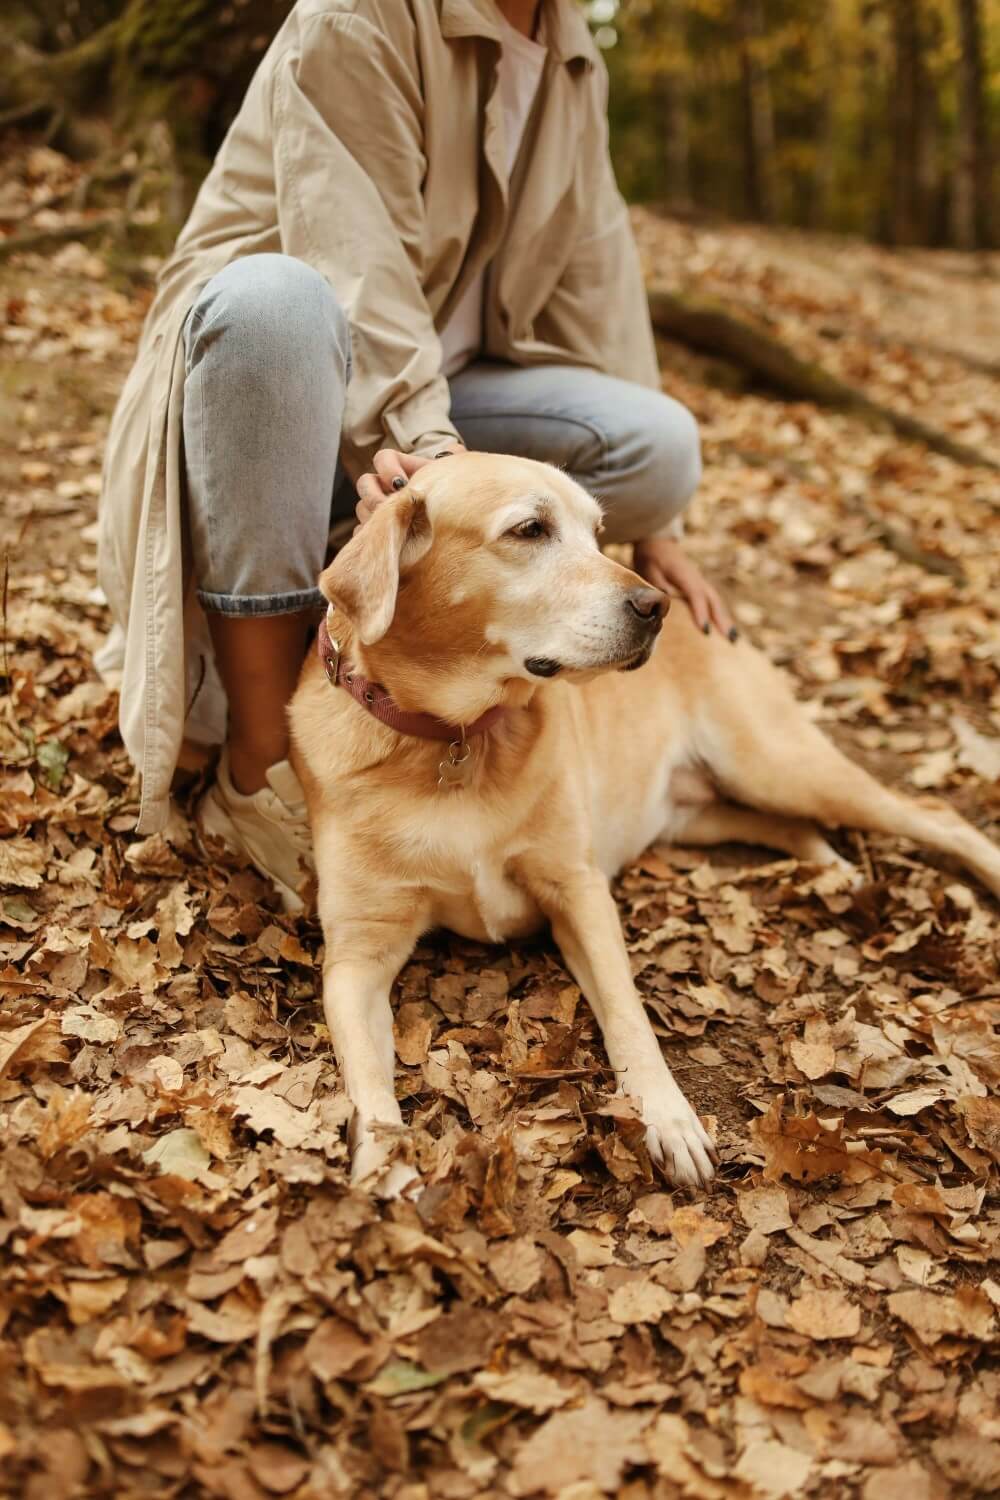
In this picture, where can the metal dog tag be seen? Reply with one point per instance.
(454, 773)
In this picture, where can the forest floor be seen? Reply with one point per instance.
(195, 1303)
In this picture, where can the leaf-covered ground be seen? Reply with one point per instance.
(193, 1301)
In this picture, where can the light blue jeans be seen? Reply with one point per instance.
(267, 362)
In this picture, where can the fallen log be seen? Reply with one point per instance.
(712, 327)
(977, 362)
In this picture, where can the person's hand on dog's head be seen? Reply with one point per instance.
(392, 471)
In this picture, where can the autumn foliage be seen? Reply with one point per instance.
(195, 1303)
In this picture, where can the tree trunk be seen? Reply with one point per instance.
(932, 213)
(671, 87)
(186, 62)
(760, 166)
(825, 176)
(969, 186)
(873, 219)
(905, 108)
(72, 78)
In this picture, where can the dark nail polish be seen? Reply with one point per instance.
(734, 635)
(707, 628)
(399, 483)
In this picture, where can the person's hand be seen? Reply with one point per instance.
(393, 471)
(663, 562)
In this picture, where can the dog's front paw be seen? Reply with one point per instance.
(372, 1165)
(679, 1144)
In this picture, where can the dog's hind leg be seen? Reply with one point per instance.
(724, 823)
(761, 750)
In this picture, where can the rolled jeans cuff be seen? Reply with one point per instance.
(259, 605)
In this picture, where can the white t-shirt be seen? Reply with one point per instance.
(520, 72)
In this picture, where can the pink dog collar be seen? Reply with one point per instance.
(374, 698)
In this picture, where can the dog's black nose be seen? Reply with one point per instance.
(648, 604)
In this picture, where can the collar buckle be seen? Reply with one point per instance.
(330, 651)
(331, 662)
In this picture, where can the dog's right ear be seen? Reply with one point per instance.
(363, 579)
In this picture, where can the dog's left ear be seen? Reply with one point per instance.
(363, 579)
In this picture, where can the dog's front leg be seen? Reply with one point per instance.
(586, 926)
(363, 959)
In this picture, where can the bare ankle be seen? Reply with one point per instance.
(259, 660)
(248, 767)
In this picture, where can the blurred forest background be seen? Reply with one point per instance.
(875, 117)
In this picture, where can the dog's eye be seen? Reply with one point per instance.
(530, 531)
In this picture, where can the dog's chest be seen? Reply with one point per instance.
(458, 862)
(491, 908)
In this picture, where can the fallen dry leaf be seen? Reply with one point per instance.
(592, 1443)
(824, 1315)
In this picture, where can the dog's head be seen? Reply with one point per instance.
(485, 572)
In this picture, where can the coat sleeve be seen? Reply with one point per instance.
(604, 272)
(598, 309)
(350, 204)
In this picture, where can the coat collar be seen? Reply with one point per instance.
(566, 33)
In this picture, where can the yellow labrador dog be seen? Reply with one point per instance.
(479, 752)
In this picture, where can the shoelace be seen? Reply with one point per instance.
(292, 817)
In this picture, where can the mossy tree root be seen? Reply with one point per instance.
(713, 327)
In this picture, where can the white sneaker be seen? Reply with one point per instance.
(269, 827)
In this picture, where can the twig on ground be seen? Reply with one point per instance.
(864, 855)
(75, 194)
(3, 619)
(43, 238)
(904, 546)
(22, 112)
(895, 538)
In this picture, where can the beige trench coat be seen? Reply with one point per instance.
(370, 144)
